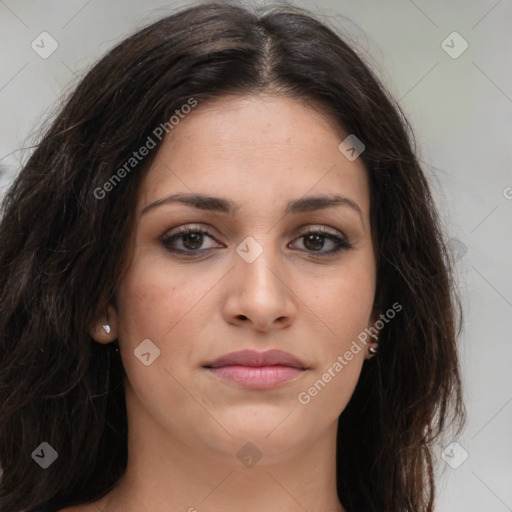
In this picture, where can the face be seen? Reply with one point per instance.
(262, 267)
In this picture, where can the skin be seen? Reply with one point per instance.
(185, 425)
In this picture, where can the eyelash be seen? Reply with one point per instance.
(341, 242)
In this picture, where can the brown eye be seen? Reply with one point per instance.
(315, 241)
(192, 240)
(188, 240)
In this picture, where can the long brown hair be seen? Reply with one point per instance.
(63, 250)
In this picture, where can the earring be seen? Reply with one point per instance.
(373, 350)
(106, 328)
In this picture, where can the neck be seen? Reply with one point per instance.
(166, 473)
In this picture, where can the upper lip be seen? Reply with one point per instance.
(255, 358)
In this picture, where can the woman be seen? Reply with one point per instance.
(224, 285)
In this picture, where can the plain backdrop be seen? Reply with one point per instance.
(460, 107)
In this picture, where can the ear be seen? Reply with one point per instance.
(104, 329)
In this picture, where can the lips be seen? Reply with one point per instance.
(251, 358)
(254, 370)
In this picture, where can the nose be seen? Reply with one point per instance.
(260, 294)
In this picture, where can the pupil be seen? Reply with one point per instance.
(193, 240)
(313, 238)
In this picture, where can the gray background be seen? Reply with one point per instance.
(461, 111)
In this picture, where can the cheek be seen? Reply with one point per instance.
(154, 301)
(343, 301)
(327, 394)
(157, 304)
(346, 312)
(342, 310)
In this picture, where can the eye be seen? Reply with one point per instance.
(189, 239)
(315, 240)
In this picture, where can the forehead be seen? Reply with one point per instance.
(255, 149)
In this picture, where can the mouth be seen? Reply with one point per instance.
(257, 370)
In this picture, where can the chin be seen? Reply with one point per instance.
(271, 432)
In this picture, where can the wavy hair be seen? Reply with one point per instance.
(63, 251)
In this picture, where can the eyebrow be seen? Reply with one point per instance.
(227, 206)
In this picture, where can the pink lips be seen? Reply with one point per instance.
(257, 370)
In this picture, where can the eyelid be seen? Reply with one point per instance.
(188, 227)
(320, 228)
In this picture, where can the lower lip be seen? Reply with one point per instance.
(256, 377)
